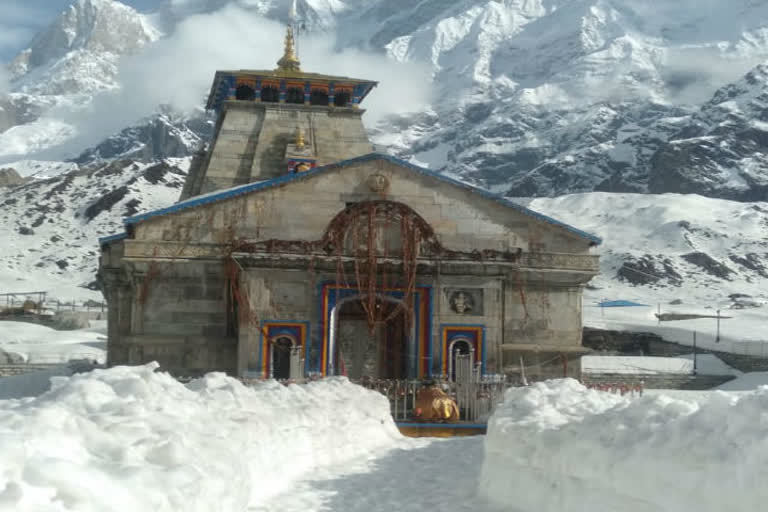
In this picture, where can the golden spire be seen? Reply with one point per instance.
(300, 138)
(289, 61)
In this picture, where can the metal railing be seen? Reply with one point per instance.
(54, 358)
(475, 394)
(296, 365)
(13, 305)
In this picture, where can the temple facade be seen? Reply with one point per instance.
(292, 237)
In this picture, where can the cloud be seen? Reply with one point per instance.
(179, 70)
(692, 75)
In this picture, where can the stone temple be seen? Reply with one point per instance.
(292, 237)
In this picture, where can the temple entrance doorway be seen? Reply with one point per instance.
(458, 347)
(281, 357)
(380, 353)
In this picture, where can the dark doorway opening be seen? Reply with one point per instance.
(381, 353)
(281, 358)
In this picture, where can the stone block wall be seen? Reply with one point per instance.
(252, 137)
(176, 314)
(461, 219)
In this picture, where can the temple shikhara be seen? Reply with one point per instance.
(295, 250)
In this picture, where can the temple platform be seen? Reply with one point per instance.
(416, 429)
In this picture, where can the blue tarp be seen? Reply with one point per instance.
(619, 304)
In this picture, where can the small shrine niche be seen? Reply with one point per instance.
(299, 156)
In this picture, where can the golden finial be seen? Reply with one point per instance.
(289, 61)
(300, 138)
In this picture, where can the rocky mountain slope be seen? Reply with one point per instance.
(672, 245)
(721, 150)
(50, 225)
(78, 53)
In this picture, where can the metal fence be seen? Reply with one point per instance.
(475, 394)
(10, 303)
(56, 358)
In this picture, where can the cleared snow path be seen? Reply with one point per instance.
(439, 474)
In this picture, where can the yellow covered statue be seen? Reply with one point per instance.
(432, 404)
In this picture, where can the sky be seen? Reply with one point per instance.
(20, 20)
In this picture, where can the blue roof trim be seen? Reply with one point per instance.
(112, 238)
(288, 178)
(619, 304)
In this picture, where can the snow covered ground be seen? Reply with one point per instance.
(559, 446)
(706, 364)
(746, 382)
(637, 365)
(32, 383)
(744, 332)
(132, 439)
(425, 474)
(43, 345)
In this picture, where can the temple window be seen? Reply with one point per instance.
(341, 99)
(294, 95)
(245, 93)
(319, 97)
(270, 94)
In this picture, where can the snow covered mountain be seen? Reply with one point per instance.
(672, 245)
(722, 149)
(50, 224)
(78, 53)
(75, 58)
(529, 98)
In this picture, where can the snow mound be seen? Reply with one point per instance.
(130, 438)
(558, 446)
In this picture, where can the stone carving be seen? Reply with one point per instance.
(378, 183)
(465, 301)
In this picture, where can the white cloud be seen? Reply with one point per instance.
(179, 70)
(693, 74)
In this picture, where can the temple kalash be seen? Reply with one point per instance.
(296, 252)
